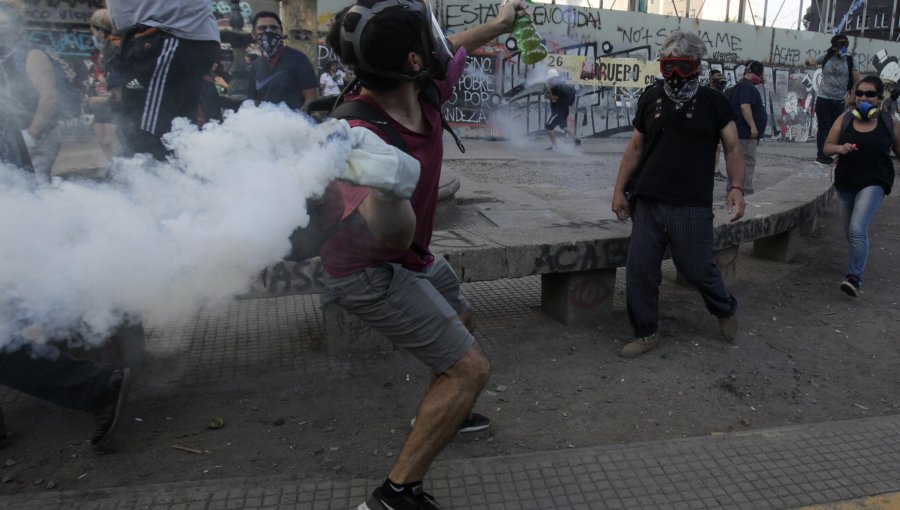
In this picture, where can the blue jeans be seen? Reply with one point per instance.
(859, 208)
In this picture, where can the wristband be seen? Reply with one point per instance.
(736, 188)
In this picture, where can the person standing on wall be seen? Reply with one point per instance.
(167, 49)
(751, 119)
(671, 160)
(839, 76)
(862, 138)
(282, 74)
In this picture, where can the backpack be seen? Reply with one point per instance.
(307, 241)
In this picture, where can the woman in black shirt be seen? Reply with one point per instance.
(864, 172)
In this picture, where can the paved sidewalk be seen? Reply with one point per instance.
(789, 467)
(776, 468)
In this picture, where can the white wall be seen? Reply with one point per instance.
(516, 100)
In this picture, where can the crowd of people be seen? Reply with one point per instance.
(159, 61)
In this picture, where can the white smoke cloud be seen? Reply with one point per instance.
(158, 240)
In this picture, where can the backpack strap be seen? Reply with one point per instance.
(361, 110)
(885, 115)
(433, 97)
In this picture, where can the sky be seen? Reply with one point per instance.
(787, 18)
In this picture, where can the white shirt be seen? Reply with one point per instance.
(331, 86)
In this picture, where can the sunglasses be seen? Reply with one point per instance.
(867, 93)
(682, 66)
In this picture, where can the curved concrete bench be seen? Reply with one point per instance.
(577, 261)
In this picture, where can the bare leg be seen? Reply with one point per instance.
(444, 407)
(552, 134)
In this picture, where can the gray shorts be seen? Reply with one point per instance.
(416, 311)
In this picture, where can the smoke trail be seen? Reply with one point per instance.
(158, 240)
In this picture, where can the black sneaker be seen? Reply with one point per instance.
(851, 285)
(578, 141)
(109, 406)
(825, 160)
(474, 423)
(418, 500)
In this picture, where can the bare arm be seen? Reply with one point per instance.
(39, 70)
(747, 113)
(896, 145)
(734, 166)
(394, 223)
(631, 158)
(476, 37)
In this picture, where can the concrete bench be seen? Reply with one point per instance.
(577, 261)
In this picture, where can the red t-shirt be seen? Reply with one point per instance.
(356, 248)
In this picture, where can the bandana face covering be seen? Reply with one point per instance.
(680, 89)
(269, 43)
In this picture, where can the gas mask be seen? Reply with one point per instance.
(719, 85)
(681, 77)
(438, 50)
(269, 43)
(864, 111)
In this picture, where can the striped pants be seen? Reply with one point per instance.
(160, 86)
(688, 233)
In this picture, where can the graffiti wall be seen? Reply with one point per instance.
(500, 96)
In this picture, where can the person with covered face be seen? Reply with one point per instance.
(282, 74)
(750, 117)
(166, 50)
(862, 139)
(28, 91)
(670, 160)
(381, 268)
(839, 76)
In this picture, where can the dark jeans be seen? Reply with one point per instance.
(827, 111)
(688, 233)
(64, 380)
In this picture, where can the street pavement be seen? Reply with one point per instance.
(834, 465)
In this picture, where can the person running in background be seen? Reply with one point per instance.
(561, 96)
(864, 173)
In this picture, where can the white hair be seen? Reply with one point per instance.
(682, 44)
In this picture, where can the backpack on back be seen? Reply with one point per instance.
(307, 241)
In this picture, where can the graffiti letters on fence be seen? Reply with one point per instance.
(499, 95)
